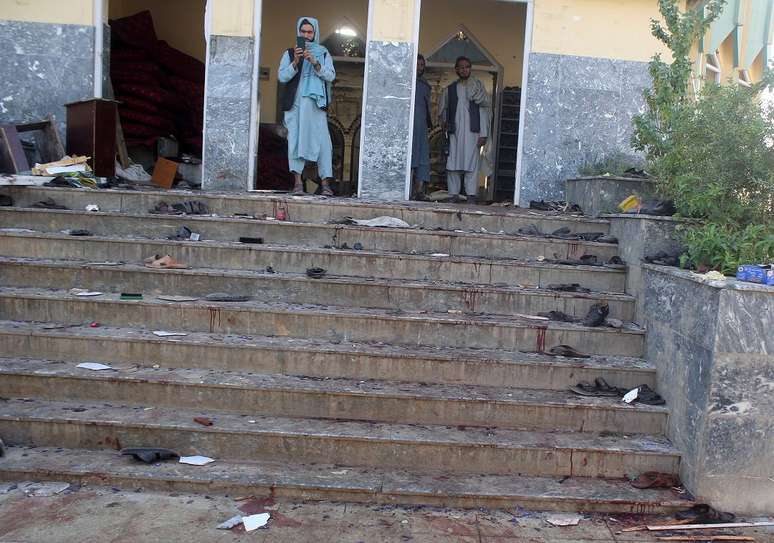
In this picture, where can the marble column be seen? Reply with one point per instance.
(44, 66)
(389, 89)
(227, 107)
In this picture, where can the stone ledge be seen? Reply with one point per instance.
(728, 283)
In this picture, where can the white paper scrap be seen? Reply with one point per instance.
(84, 292)
(92, 207)
(95, 366)
(253, 522)
(162, 333)
(196, 460)
(230, 523)
(43, 489)
(630, 396)
(195, 236)
(52, 170)
(564, 520)
(440, 255)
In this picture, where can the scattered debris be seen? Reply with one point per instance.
(184, 234)
(599, 388)
(454, 311)
(383, 222)
(169, 298)
(681, 527)
(2, 450)
(254, 241)
(358, 246)
(165, 262)
(94, 366)
(65, 165)
(79, 232)
(48, 203)
(568, 287)
(701, 513)
(714, 276)
(94, 325)
(567, 351)
(130, 296)
(655, 479)
(204, 421)
(230, 523)
(43, 489)
(224, 297)
(5, 488)
(440, 255)
(82, 292)
(596, 315)
(253, 522)
(196, 460)
(761, 274)
(316, 273)
(92, 207)
(564, 519)
(162, 333)
(630, 396)
(150, 455)
(706, 538)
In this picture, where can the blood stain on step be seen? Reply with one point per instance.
(540, 343)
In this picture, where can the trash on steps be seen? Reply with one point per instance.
(316, 273)
(705, 538)
(224, 297)
(184, 234)
(760, 273)
(48, 203)
(204, 421)
(680, 527)
(196, 460)
(92, 207)
(253, 522)
(599, 388)
(701, 513)
(630, 396)
(165, 262)
(255, 241)
(655, 479)
(130, 296)
(66, 165)
(149, 455)
(171, 298)
(562, 519)
(79, 232)
(383, 222)
(230, 523)
(567, 351)
(82, 292)
(43, 489)
(596, 315)
(644, 394)
(163, 333)
(2, 448)
(94, 366)
(568, 287)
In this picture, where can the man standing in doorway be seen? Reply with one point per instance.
(420, 149)
(465, 116)
(307, 73)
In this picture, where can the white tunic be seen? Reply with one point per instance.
(464, 152)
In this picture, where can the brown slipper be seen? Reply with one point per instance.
(167, 263)
(152, 259)
(654, 479)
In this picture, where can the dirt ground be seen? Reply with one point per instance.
(112, 515)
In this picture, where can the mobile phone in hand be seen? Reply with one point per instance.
(300, 42)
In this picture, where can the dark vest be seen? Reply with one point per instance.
(427, 102)
(451, 111)
(290, 88)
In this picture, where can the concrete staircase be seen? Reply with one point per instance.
(413, 372)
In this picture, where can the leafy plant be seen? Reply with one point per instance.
(712, 154)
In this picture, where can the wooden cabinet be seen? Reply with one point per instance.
(91, 131)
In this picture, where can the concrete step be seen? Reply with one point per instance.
(289, 481)
(316, 210)
(292, 356)
(305, 234)
(299, 289)
(82, 424)
(329, 398)
(290, 259)
(332, 323)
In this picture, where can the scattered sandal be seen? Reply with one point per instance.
(701, 513)
(150, 455)
(567, 351)
(599, 388)
(655, 479)
(165, 262)
(558, 316)
(315, 273)
(224, 297)
(48, 203)
(597, 315)
(568, 287)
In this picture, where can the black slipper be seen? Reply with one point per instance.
(596, 315)
(529, 230)
(558, 316)
(648, 396)
(567, 351)
(701, 513)
(315, 273)
(568, 287)
(80, 233)
(223, 297)
(149, 455)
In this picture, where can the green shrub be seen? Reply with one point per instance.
(616, 163)
(713, 155)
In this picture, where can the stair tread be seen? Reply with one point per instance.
(137, 416)
(439, 208)
(328, 279)
(269, 247)
(320, 345)
(482, 320)
(372, 483)
(205, 219)
(197, 377)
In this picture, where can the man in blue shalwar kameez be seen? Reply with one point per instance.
(307, 74)
(420, 149)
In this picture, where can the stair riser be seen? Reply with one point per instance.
(222, 319)
(459, 458)
(314, 363)
(309, 211)
(291, 260)
(389, 494)
(277, 288)
(336, 406)
(297, 234)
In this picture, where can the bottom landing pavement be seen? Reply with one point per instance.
(102, 514)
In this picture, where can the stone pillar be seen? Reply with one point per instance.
(388, 96)
(229, 97)
(47, 60)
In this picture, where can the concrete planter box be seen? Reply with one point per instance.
(713, 347)
(602, 194)
(640, 236)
